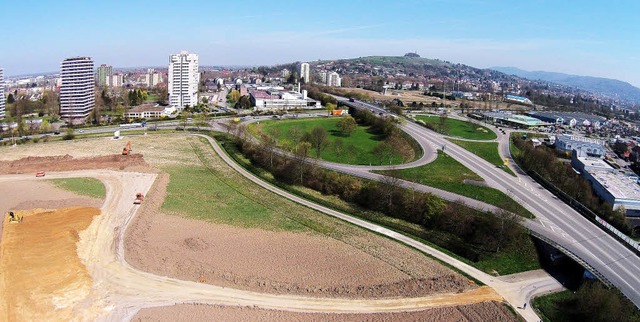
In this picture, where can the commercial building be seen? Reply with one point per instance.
(304, 72)
(509, 119)
(582, 145)
(152, 78)
(2, 100)
(517, 99)
(103, 75)
(264, 99)
(333, 79)
(183, 80)
(77, 96)
(613, 186)
(571, 119)
(145, 111)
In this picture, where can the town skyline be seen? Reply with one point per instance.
(588, 40)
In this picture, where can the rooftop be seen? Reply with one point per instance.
(619, 185)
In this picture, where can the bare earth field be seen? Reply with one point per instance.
(358, 265)
(486, 312)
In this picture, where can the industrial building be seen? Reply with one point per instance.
(2, 100)
(582, 145)
(517, 99)
(613, 186)
(184, 79)
(276, 98)
(571, 119)
(77, 96)
(509, 119)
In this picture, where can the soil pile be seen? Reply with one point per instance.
(42, 277)
(69, 163)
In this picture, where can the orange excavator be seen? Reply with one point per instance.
(127, 149)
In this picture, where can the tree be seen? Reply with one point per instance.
(200, 120)
(347, 125)
(330, 108)
(384, 151)
(69, 135)
(443, 126)
(184, 115)
(233, 97)
(244, 102)
(295, 134)
(319, 139)
(11, 99)
(301, 154)
(45, 127)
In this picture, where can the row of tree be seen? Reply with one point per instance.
(467, 232)
(543, 161)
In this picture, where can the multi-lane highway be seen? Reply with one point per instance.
(554, 219)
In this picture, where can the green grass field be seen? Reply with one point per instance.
(89, 187)
(459, 128)
(448, 174)
(215, 192)
(485, 150)
(358, 147)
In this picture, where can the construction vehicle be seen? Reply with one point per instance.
(40, 174)
(139, 198)
(15, 218)
(127, 149)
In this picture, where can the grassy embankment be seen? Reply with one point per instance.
(518, 258)
(448, 174)
(89, 187)
(459, 128)
(358, 147)
(485, 150)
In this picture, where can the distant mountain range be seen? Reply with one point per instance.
(597, 85)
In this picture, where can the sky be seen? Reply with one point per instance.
(583, 37)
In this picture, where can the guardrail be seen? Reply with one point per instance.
(587, 213)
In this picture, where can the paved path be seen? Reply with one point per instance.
(514, 293)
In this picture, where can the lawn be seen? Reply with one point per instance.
(357, 148)
(214, 192)
(448, 174)
(513, 259)
(485, 150)
(459, 128)
(89, 187)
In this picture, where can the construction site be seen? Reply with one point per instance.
(180, 235)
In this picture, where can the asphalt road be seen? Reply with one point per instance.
(554, 219)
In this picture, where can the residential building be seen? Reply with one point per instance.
(184, 79)
(77, 96)
(333, 79)
(304, 72)
(285, 73)
(613, 186)
(582, 145)
(103, 75)
(152, 78)
(2, 100)
(116, 80)
(323, 77)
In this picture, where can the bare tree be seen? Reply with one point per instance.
(319, 139)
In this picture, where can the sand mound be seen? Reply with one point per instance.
(68, 163)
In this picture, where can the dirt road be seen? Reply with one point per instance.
(119, 291)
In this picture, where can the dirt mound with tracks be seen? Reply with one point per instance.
(69, 163)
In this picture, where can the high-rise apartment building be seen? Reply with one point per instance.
(333, 79)
(77, 97)
(103, 75)
(304, 72)
(152, 78)
(183, 80)
(2, 102)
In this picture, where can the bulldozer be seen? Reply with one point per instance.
(15, 218)
(127, 149)
(139, 198)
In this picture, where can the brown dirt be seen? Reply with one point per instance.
(280, 262)
(68, 163)
(486, 311)
(42, 276)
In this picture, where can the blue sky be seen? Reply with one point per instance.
(596, 38)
